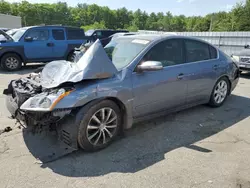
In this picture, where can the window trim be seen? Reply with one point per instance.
(33, 29)
(184, 48)
(217, 54)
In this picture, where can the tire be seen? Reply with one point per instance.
(11, 62)
(71, 57)
(93, 136)
(223, 87)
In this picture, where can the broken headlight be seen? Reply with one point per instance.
(45, 101)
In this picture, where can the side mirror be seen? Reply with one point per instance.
(149, 66)
(28, 39)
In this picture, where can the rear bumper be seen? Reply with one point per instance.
(244, 66)
(234, 84)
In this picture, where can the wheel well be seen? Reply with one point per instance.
(230, 84)
(117, 102)
(12, 53)
(122, 108)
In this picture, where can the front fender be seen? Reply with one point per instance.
(13, 49)
(85, 94)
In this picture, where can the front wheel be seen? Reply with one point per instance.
(99, 126)
(11, 62)
(220, 92)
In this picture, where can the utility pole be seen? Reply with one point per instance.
(211, 23)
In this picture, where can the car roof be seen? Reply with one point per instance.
(157, 37)
(52, 26)
(124, 30)
(150, 37)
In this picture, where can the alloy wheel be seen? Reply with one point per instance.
(220, 92)
(11, 63)
(102, 126)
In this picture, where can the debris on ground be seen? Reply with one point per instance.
(5, 130)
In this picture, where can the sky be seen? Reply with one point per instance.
(176, 7)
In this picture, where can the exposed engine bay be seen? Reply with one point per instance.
(22, 90)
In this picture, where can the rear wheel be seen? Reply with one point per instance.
(11, 62)
(100, 126)
(220, 92)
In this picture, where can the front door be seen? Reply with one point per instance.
(40, 47)
(163, 89)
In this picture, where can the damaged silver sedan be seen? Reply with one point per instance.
(134, 78)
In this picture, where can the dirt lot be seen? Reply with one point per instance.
(200, 147)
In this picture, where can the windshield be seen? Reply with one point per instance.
(89, 32)
(18, 34)
(123, 51)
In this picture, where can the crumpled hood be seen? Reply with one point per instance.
(94, 64)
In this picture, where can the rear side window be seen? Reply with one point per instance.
(58, 34)
(213, 52)
(99, 33)
(75, 34)
(196, 51)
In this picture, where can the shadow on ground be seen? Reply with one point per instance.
(24, 70)
(147, 143)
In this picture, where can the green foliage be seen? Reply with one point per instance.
(94, 16)
(96, 25)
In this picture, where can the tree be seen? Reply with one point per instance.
(94, 16)
(96, 25)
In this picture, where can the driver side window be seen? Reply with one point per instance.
(168, 52)
(38, 34)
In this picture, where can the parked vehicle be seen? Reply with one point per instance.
(243, 59)
(133, 79)
(11, 32)
(3, 36)
(102, 34)
(81, 50)
(40, 44)
(5, 29)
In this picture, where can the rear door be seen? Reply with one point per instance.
(60, 44)
(41, 45)
(203, 65)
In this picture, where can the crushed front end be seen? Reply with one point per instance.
(33, 107)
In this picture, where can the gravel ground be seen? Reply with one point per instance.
(200, 147)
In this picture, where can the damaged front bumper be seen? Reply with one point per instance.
(61, 121)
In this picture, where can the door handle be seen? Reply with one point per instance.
(50, 44)
(215, 67)
(180, 76)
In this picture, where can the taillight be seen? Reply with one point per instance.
(237, 70)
